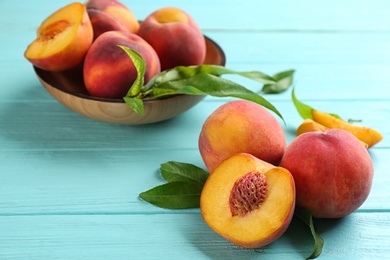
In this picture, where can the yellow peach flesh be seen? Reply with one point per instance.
(367, 135)
(62, 39)
(44, 46)
(261, 226)
(308, 125)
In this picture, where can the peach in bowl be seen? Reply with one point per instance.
(68, 88)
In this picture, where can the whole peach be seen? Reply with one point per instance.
(109, 72)
(333, 172)
(103, 22)
(175, 36)
(111, 15)
(241, 126)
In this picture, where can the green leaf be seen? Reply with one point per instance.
(208, 84)
(140, 66)
(303, 109)
(351, 121)
(174, 195)
(176, 171)
(136, 104)
(307, 217)
(200, 80)
(283, 82)
(185, 72)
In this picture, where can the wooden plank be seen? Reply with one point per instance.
(109, 181)
(357, 236)
(235, 15)
(339, 66)
(69, 185)
(27, 122)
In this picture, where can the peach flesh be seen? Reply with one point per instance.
(62, 39)
(265, 220)
(52, 30)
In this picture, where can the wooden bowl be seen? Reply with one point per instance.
(68, 88)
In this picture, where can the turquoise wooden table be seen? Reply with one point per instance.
(69, 185)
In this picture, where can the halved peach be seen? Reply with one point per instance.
(248, 201)
(62, 40)
(309, 125)
(367, 135)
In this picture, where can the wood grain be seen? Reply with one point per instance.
(69, 185)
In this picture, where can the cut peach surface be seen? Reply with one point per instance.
(367, 135)
(62, 40)
(309, 125)
(248, 201)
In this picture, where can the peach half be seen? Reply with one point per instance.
(63, 39)
(248, 201)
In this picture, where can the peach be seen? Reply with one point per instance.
(248, 201)
(309, 125)
(333, 172)
(367, 135)
(109, 72)
(111, 15)
(175, 36)
(241, 126)
(63, 39)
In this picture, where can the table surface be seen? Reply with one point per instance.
(69, 185)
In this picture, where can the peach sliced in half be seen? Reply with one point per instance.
(367, 135)
(62, 40)
(309, 125)
(248, 201)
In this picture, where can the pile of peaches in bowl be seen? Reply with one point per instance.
(77, 59)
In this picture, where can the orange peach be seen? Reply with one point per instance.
(241, 126)
(333, 172)
(248, 201)
(175, 36)
(309, 125)
(63, 39)
(111, 15)
(367, 135)
(108, 70)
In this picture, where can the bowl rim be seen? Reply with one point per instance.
(42, 74)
